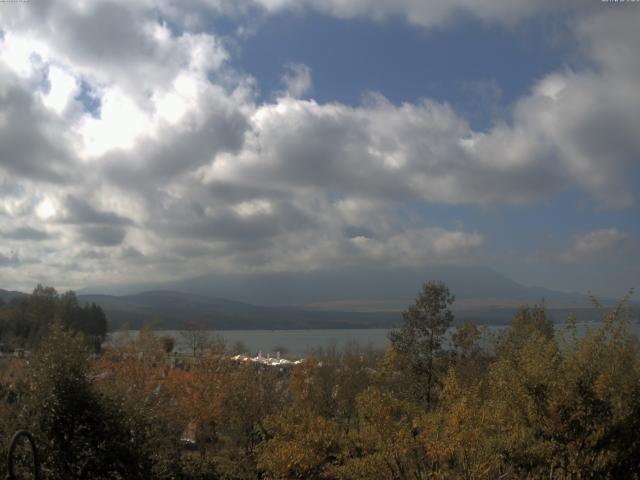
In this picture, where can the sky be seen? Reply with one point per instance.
(155, 140)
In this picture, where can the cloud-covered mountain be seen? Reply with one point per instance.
(347, 298)
(382, 287)
(352, 299)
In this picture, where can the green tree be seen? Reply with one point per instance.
(419, 341)
(80, 433)
(26, 321)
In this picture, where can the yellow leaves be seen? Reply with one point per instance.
(382, 445)
(300, 445)
(526, 411)
(386, 421)
(375, 466)
(386, 437)
(431, 437)
(552, 406)
(457, 436)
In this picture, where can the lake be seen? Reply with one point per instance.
(298, 343)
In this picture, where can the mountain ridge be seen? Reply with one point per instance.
(357, 298)
(376, 284)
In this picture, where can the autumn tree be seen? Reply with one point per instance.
(132, 375)
(250, 395)
(458, 435)
(596, 416)
(465, 339)
(527, 322)
(299, 444)
(385, 444)
(80, 434)
(419, 339)
(571, 411)
(471, 360)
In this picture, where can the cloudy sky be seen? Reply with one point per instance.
(162, 139)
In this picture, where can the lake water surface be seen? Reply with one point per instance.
(298, 343)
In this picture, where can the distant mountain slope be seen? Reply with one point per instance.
(344, 298)
(8, 295)
(170, 309)
(363, 297)
(385, 288)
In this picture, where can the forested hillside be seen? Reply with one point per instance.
(25, 320)
(532, 402)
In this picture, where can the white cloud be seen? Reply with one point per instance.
(179, 164)
(604, 247)
(297, 79)
(597, 242)
(46, 209)
(253, 208)
(418, 247)
(578, 128)
(120, 124)
(63, 88)
(427, 13)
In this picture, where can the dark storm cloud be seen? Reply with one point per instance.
(79, 211)
(32, 141)
(10, 188)
(26, 233)
(10, 260)
(229, 226)
(233, 192)
(102, 235)
(352, 232)
(131, 253)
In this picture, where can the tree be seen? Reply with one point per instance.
(239, 348)
(385, 444)
(471, 361)
(195, 336)
(419, 340)
(90, 319)
(80, 433)
(299, 444)
(526, 323)
(95, 324)
(465, 339)
(27, 320)
(168, 344)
